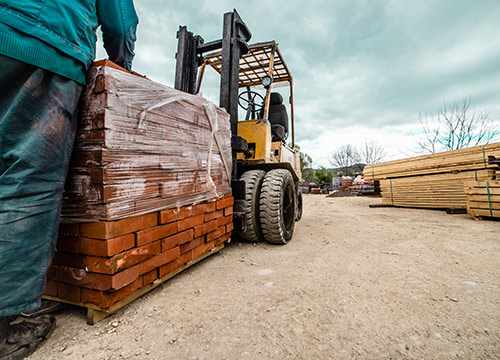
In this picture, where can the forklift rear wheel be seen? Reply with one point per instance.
(298, 216)
(277, 206)
(250, 226)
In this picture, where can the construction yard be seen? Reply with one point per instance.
(355, 282)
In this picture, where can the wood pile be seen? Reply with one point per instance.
(433, 181)
(148, 191)
(483, 198)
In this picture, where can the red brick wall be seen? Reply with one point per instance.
(103, 262)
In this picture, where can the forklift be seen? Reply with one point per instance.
(265, 170)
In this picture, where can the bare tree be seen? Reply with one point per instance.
(372, 153)
(456, 127)
(344, 158)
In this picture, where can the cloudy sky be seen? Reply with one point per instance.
(363, 69)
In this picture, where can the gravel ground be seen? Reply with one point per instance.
(355, 282)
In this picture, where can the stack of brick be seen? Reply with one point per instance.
(148, 190)
(101, 263)
(142, 146)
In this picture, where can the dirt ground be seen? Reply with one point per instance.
(354, 283)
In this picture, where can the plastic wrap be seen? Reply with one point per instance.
(143, 147)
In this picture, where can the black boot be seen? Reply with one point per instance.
(24, 336)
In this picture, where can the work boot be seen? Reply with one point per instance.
(25, 336)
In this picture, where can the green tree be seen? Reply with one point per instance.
(323, 175)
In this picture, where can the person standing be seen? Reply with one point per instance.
(46, 48)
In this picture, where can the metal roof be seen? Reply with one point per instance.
(255, 64)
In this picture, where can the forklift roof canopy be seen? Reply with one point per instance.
(255, 64)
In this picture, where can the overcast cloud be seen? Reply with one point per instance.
(363, 70)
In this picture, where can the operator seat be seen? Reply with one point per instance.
(278, 117)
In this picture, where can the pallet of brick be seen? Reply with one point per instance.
(142, 146)
(104, 265)
(148, 192)
(431, 191)
(473, 158)
(483, 198)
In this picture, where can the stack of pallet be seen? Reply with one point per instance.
(483, 198)
(148, 191)
(433, 181)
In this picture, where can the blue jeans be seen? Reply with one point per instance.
(37, 131)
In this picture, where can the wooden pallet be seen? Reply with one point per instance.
(96, 313)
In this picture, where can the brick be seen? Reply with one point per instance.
(87, 246)
(123, 260)
(171, 266)
(228, 211)
(111, 229)
(119, 244)
(225, 202)
(192, 244)
(177, 239)
(222, 239)
(105, 299)
(158, 260)
(225, 220)
(156, 233)
(215, 234)
(230, 227)
(214, 215)
(171, 215)
(82, 278)
(51, 288)
(69, 229)
(204, 208)
(205, 228)
(190, 222)
(149, 277)
(69, 292)
(53, 272)
(197, 251)
(67, 259)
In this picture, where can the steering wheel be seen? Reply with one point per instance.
(247, 101)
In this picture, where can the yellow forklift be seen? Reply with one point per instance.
(266, 171)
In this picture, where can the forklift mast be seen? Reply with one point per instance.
(234, 45)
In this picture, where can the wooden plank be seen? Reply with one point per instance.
(485, 205)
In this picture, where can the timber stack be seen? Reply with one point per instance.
(483, 198)
(436, 180)
(147, 194)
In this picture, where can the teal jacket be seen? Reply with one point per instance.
(59, 35)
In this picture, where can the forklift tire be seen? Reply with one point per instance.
(277, 206)
(250, 227)
(298, 215)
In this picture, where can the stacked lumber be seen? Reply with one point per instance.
(148, 191)
(142, 147)
(483, 198)
(102, 263)
(473, 158)
(433, 181)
